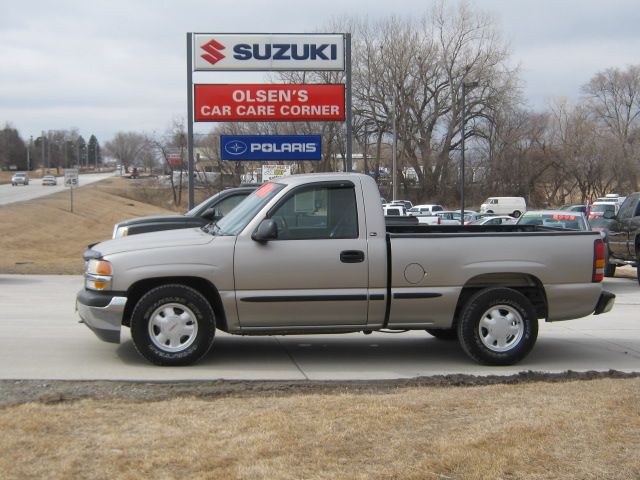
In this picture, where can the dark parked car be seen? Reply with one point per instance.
(211, 210)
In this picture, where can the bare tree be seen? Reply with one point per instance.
(614, 98)
(411, 73)
(130, 148)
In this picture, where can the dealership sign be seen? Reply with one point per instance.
(257, 102)
(234, 52)
(271, 172)
(270, 147)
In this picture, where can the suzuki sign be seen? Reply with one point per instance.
(259, 52)
(267, 102)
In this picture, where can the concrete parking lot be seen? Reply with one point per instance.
(43, 340)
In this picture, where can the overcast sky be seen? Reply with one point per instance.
(119, 65)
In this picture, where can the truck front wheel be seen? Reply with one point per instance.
(498, 326)
(173, 325)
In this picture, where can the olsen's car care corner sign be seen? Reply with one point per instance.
(267, 102)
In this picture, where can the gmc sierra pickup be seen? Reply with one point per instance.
(312, 254)
(623, 235)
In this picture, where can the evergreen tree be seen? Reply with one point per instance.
(93, 153)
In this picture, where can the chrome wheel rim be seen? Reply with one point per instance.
(173, 327)
(501, 328)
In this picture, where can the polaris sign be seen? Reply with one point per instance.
(268, 52)
(270, 147)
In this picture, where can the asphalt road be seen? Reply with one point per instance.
(42, 339)
(21, 193)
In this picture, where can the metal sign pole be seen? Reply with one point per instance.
(348, 101)
(190, 116)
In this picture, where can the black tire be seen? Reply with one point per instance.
(514, 320)
(173, 325)
(443, 333)
(516, 214)
(609, 268)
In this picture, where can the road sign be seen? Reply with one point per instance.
(267, 102)
(263, 52)
(270, 147)
(71, 177)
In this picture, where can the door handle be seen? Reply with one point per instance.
(352, 256)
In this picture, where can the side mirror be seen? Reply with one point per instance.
(267, 230)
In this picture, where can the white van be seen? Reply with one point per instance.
(514, 206)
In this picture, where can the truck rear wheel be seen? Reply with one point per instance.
(498, 326)
(173, 325)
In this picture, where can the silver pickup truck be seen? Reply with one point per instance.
(312, 254)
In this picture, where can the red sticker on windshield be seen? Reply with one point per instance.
(265, 189)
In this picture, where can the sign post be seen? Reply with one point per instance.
(71, 181)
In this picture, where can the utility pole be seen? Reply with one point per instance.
(465, 86)
(394, 154)
(29, 153)
(42, 148)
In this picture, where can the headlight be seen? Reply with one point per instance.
(120, 231)
(98, 275)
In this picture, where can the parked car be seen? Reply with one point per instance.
(395, 210)
(513, 206)
(452, 217)
(598, 209)
(49, 180)
(577, 208)
(406, 203)
(609, 204)
(555, 219)
(428, 209)
(494, 220)
(20, 178)
(212, 209)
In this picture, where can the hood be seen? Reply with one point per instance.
(163, 239)
(151, 219)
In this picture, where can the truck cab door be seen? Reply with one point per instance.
(313, 272)
(621, 236)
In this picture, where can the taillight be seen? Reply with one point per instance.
(439, 221)
(598, 261)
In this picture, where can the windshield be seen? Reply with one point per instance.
(604, 208)
(239, 217)
(555, 220)
(201, 207)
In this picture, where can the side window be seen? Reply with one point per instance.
(627, 207)
(324, 211)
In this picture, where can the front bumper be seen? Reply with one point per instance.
(101, 313)
(605, 303)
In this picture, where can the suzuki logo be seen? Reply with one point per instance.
(213, 55)
(236, 147)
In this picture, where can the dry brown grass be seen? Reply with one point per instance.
(42, 236)
(573, 430)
